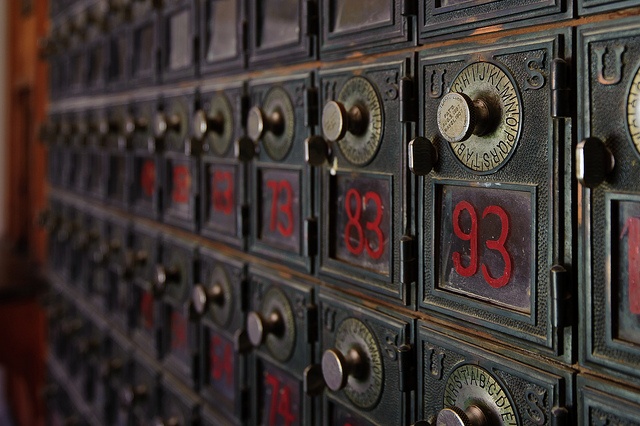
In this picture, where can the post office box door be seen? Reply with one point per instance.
(376, 387)
(178, 404)
(601, 402)
(494, 211)
(607, 168)
(589, 7)
(363, 183)
(140, 397)
(118, 51)
(221, 36)
(144, 35)
(179, 31)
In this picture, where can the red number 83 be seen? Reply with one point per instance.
(472, 236)
(354, 215)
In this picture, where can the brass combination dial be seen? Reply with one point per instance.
(216, 298)
(274, 325)
(273, 123)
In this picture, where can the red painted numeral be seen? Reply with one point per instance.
(148, 177)
(278, 188)
(146, 306)
(354, 205)
(222, 192)
(178, 331)
(181, 184)
(280, 404)
(632, 228)
(221, 365)
(472, 236)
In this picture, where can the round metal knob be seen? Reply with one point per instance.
(132, 124)
(455, 416)
(258, 123)
(202, 124)
(459, 117)
(258, 328)
(165, 276)
(337, 367)
(594, 162)
(316, 151)
(337, 121)
(202, 296)
(111, 367)
(131, 395)
(163, 123)
(423, 155)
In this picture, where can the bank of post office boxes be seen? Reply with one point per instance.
(282, 328)
(173, 283)
(116, 144)
(282, 31)
(495, 197)
(142, 260)
(178, 405)
(217, 124)
(601, 402)
(281, 201)
(145, 160)
(222, 33)
(218, 301)
(367, 368)
(471, 382)
(171, 128)
(144, 43)
(365, 228)
(452, 18)
(140, 394)
(178, 35)
(372, 25)
(607, 157)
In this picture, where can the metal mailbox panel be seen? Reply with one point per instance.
(364, 180)
(495, 209)
(179, 31)
(604, 403)
(223, 282)
(589, 7)
(178, 405)
(378, 387)
(372, 25)
(281, 31)
(610, 207)
(222, 32)
(458, 376)
(181, 166)
(173, 286)
(279, 181)
(145, 162)
(455, 17)
(144, 43)
(280, 354)
(224, 207)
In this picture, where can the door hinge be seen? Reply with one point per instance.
(408, 263)
(407, 368)
(408, 100)
(559, 416)
(244, 220)
(312, 18)
(312, 323)
(561, 297)
(311, 107)
(560, 89)
(409, 8)
(244, 407)
(310, 236)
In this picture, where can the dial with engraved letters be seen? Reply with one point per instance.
(633, 111)
(355, 121)
(278, 108)
(215, 126)
(282, 341)
(481, 117)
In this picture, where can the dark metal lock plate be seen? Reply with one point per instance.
(472, 379)
(610, 210)
(490, 216)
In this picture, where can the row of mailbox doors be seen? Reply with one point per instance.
(257, 347)
(496, 203)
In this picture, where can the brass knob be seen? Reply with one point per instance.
(164, 123)
(132, 395)
(258, 328)
(258, 123)
(459, 117)
(455, 416)
(202, 124)
(165, 276)
(111, 367)
(134, 124)
(202, 296)
(337, 121)
(316, 151)
(105, 249)
(423, 155)
(594, 162)
(337, 367)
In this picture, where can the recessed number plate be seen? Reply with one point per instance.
(281, 404)
(221, 189)
(222, 365)
(280, 216)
